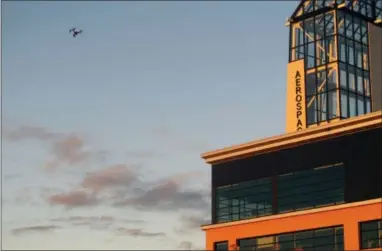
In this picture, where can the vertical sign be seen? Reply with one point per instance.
(296, 106)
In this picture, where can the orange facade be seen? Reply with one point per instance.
(348, 215)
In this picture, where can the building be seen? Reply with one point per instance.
(319, 185)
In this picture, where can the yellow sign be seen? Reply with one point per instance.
(295, 107)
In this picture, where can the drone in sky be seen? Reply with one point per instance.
(75, 32)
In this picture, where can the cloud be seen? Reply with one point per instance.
(169, 195)
(119, 175)
(187, 245)
(42, 228)
(88, 220)
(193, 221)
(76, 198)
(137, 232)
(69, 149)
(28, 132)
(94, 222)
(66, 149)
(120, 185)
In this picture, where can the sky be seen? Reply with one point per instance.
(102, 134)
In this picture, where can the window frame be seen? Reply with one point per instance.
(379, 231)
(220, 242)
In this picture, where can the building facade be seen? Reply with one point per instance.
(319, 185)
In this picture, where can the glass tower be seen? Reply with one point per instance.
(334, 38)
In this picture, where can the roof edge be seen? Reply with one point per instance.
(342, 127)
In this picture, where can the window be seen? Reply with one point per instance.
(318, 239)
(221, 246)
(312, 188)
(371, 234)
(244, 200)
(354, 63)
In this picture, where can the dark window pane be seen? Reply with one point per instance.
(244, 200)
(312, 188)
(342, 46)
(332, 104)
(341, 23)
(311, 83)
(371, 234)
(311, 110)
(329, 23)
(309, 30)
(221, 246)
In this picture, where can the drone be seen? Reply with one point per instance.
(75, 31)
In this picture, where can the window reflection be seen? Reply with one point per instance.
(221, 246)
(354, 66)
(311, 188)
(371, 234)
(319, 239)
(244, 200)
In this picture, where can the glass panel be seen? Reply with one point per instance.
(351, 77)
(348, 26)
(364, 32)
(309, 30)
(321, 53)
(357, 30)
(331, 49)
(311, 83)
(297, 35)
(341, 23)
(368, 105)
(244, 200)
(360, 105)
(332, 104)
(352, 105)
(342, 46)
(329, 23)
(321, 81)
(350, 52)
(311, 110)
(221, 246)
(322, 105)
(371, 236)
(319, 26)
(343, 76)
(358, 55)
(366, 82)
(365, 58)
(332, 79)
(310, 188)
(359, 82)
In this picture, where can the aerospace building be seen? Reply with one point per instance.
(319, 185)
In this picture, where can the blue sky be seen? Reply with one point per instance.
(102, 134)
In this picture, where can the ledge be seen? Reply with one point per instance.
(330, 130)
